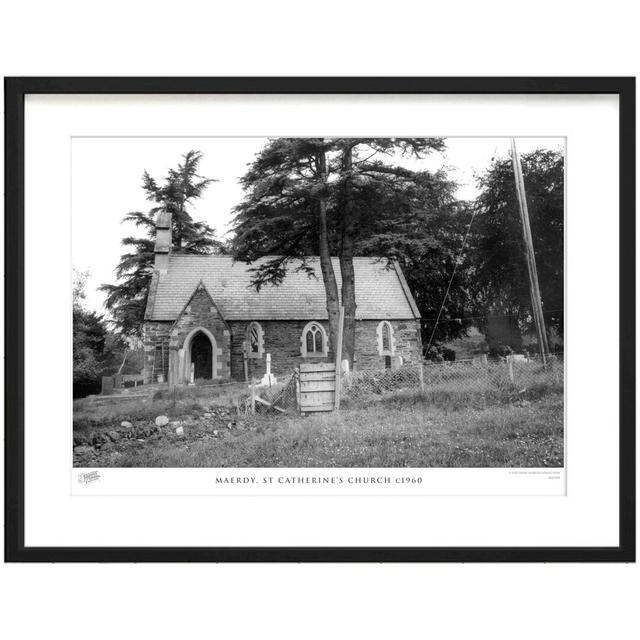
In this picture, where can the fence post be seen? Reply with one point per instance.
(510, 365)
(253, 395)
(245, 364)
(421, 377)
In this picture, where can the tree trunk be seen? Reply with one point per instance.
(346, 262)
(328, 274)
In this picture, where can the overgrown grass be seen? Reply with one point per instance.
(175, 402)
(457, 384)
(220, 394)
(92, 413)
(450, 396)
(405, 430)
(466, 420)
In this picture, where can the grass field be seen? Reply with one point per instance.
(402, 430)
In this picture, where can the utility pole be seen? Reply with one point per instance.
(534, 287)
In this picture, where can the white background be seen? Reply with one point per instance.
(332, 38)
(586, 516)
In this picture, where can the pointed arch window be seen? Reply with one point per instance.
(386, 337)
(314, 341)
(386, 342)
(254, 341)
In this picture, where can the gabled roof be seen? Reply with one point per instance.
(381, 291)
(202, 290)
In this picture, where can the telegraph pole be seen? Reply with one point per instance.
(534, 287)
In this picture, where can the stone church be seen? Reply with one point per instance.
(204, 320)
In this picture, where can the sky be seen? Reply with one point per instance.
(107, 184)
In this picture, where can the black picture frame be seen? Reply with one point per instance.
(15, 91)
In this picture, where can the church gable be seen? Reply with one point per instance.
(201, 317)
(200, 311)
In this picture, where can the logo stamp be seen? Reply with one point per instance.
(90, 476)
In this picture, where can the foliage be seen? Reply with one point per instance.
(96, 351)
(423, 227)
(373, 206)
(278, 217)
(285, 212)
(127, 299)
(498, 277)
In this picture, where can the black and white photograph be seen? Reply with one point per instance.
(333, 302)
(320, 319)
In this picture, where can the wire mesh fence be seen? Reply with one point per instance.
(279, 398)
(457, 381)
(479, 376)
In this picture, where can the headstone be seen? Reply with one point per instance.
(162, 421)
(268, 379)
(107, 385)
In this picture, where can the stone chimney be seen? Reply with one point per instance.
(163, 241)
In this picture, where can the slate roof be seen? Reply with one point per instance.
(381, 292)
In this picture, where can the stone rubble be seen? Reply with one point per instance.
(88, 445)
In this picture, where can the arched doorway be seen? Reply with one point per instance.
(201, 357)
(198, 357)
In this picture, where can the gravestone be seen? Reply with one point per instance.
(268, 379)
(107, 385)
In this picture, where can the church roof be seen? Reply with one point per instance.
(381, 291)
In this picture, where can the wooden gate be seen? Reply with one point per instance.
(317, 387)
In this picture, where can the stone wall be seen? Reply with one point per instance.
(406, 338)
(282, 339)
(155, 340)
